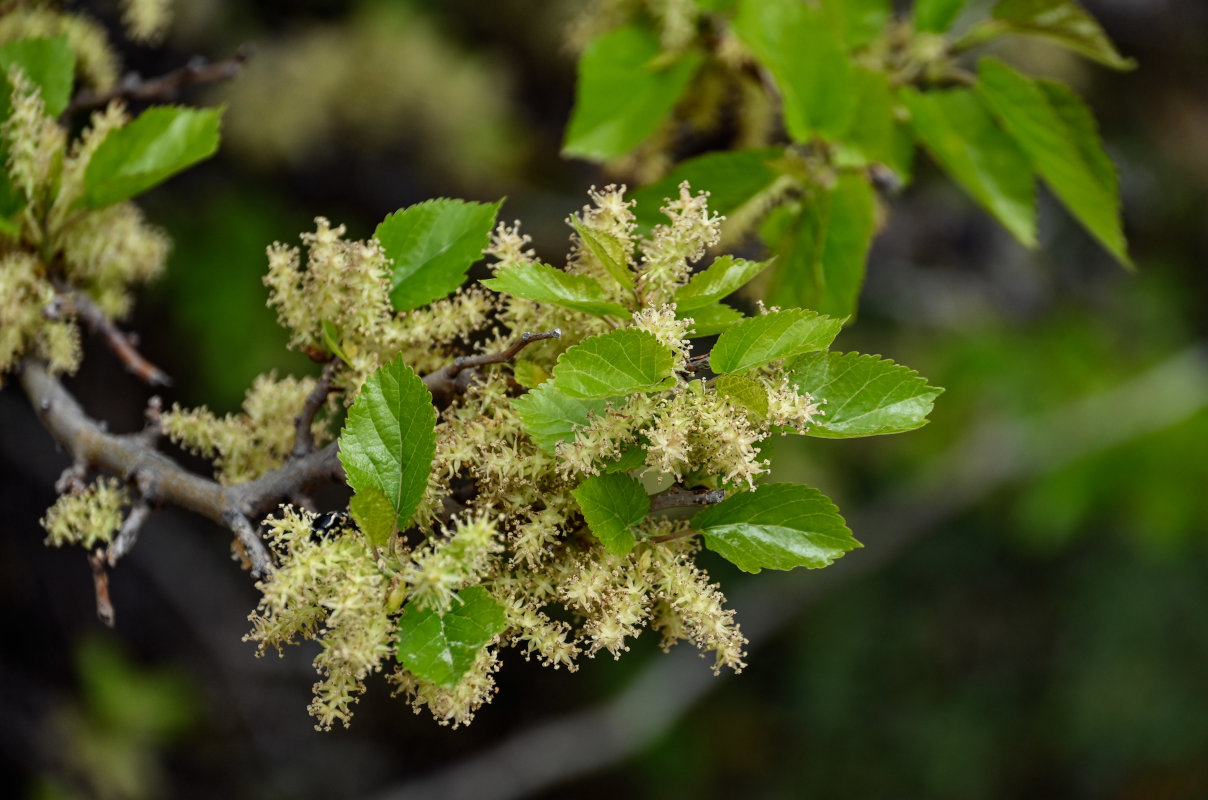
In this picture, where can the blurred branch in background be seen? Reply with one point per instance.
(993, 456)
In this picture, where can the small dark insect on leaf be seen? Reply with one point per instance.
(330, 523)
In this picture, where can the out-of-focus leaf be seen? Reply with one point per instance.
(807, 60)
(865, 395)
(432, 245)
(711, 320)
(48, 63)
(545, 284)
(958, 131)
(1061, 21)
(614, 364)
(441, 648)
(374, 515)
(163, 141)
(612, 504)
(389, 439)
(824, 252)
(858, 21)
(610, 251)
(624, 92)
(1063, 145)
(731, 177)
(777, 526)
(936, 16)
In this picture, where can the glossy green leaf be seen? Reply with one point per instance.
(780, 334)
(865, 395)
(724, 276)
(611, 505)
(550, 417)
(825, 250)
(711, 320)
(47, 62)
(1064, 22)
(441, 648)
(1063, 145)
(624, 91)
(743, 391)
(374, 515)
(610, 251)
(936, 16)
(858, 21)
(958, 131)
(731, 177)
(614, 364)
(544, 284)
(807, 60)
(389, 439)
(777, 526)
(163, 141)
(432, 245)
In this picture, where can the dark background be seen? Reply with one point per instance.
(1027, 617)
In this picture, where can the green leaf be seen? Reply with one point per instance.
(550, 417)
(48, 62)
(374, 515)
(724, 276)
(865, 395)
(632, 457)
(826, 249)
(711, 320)
(441, 648)
(611, 504)
(876, 136)
(611, 251)
(731, 177)
(544, 284)
(1063, 146)
(1064, 22)
(625, 89)
(745, 392)
(389, 439)
(163, 141)
(615, 364)
(807, 60)
(433, 244)
(777, 526)
(963, 138)
(936, 16)
(858, 21)
(529, 374)
(331, 338)
(780, 334)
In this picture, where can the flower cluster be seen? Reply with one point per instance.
(88, 516)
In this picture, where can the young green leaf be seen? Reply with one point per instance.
(825, 250)
(731, 177)
(550, 417)
(858, 21)
(633, 456)
(614, 364)
(544, 284)
(875, 136)
(780, 334)
(389, 439)
(745, 392)
(611, 504)
(624, 92)
(865, 395)
(1058, 150)
(1064, 22)
(777, 526)
(163, 141)
(609, 250)
(936, 16)
(432, 245)
(710, 320)
(807, 60)
(724, 276)
(529, 374)
(441, 648)
(374, 515)
(963, 138)
(47, 62)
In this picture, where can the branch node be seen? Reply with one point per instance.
(251, 548)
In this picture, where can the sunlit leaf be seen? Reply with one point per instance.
(780, 334)
(613, 364)
(550, 417)
(544, 284)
